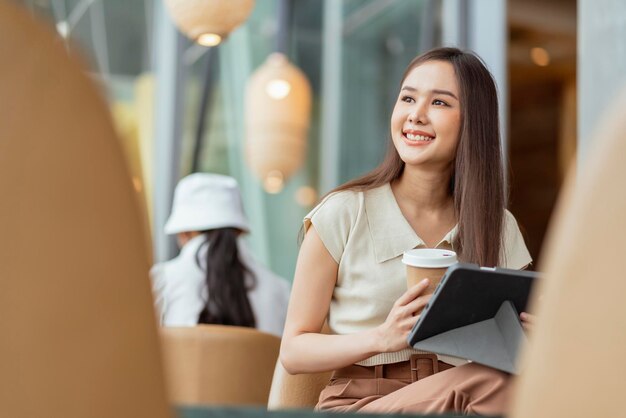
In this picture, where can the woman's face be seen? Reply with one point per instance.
(426, 119)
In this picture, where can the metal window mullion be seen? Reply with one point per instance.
(330, 147)
(169, 103)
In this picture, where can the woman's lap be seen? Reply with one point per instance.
(470, 388)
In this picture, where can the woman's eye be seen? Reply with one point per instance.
(438, 102)
(407, 99)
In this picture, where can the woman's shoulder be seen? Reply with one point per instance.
(337, 205)
(179, 269)
(342, 197)
(515, 254)
(334, 219)
(509, 225)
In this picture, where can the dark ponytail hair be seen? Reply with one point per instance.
(228, 302)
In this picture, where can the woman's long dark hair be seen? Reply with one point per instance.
(228, 302)
(477, 183)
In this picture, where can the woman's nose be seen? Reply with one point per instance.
(418, 114)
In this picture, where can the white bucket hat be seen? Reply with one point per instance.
(205, 201)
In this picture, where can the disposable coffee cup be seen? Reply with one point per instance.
(428, 263)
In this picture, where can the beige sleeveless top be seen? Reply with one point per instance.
(366, 234)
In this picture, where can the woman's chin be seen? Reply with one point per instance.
(426, 161)
(415, 160)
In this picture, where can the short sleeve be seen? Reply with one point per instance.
(515, 254)
(333, 219)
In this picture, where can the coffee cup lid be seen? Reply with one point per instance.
(429, 258)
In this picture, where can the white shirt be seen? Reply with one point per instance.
(366, 234)
(180, 290)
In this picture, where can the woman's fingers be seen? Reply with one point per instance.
(417, 304)
(412, 292)
(401, 319)
(528, 320)
(409, 322)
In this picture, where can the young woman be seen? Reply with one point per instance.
(440, 186)
(214, 279)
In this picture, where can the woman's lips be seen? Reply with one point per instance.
(414, 139)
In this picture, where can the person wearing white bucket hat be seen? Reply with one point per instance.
(205, 201)
(215, 279)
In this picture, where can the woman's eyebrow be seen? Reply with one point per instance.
(445, 92)
(434, 91)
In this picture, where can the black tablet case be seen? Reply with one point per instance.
(474, 314)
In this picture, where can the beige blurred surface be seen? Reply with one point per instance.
(78, 330)
(574, 366)
(297, 391)
(300, 391)
(219, 365)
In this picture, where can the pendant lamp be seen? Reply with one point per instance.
(278, 108)
(208, 22)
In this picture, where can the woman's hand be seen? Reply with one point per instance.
(528, 321)
(393, 333)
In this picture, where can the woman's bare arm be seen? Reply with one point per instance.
(304, 349)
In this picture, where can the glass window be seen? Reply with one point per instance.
(378, 38)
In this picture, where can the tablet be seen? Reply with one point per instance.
(473, 310)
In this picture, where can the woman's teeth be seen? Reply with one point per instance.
(412, 137)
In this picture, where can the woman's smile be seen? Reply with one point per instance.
(417, 138)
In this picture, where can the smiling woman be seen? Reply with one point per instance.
(439, 186)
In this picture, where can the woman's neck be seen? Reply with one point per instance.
(425, 190)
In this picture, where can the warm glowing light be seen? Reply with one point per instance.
(274, 182)
(540, 56)
(207, 22)
(278, 89)
(277, 118)
(306, 196)
(209, 39)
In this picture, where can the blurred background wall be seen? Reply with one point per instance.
(542, 102)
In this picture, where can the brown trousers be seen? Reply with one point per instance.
(395, 388)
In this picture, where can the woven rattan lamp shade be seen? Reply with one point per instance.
(205, 18)
(278, 109)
